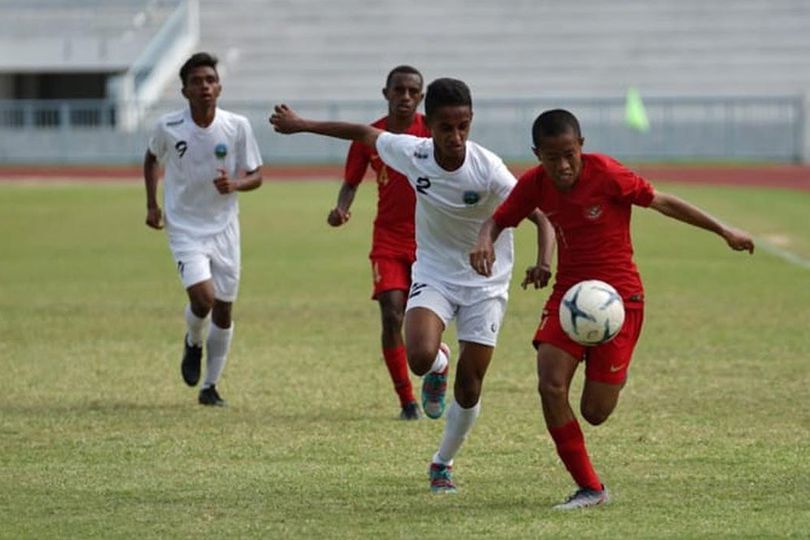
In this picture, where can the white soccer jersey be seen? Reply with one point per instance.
(451, 206)
(191, 155)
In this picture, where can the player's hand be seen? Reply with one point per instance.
(538, 275)
(285, 120)
(738, 240)
(482, 258)
(154, 218)
(338, 217)
(224, 184)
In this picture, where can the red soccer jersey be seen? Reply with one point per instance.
(592, 222)
(394, 224)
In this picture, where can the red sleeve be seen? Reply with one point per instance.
(627, 186)
(356, 163)
(523, 199)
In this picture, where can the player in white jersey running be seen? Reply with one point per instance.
(208, 155)
(458, 185)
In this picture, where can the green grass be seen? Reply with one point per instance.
(100, 438)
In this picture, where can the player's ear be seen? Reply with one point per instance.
(183, 91)
(536, 152)
(581, 142)
(385, 93)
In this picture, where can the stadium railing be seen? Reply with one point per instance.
(712, 128)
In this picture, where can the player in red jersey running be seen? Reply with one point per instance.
(393, 248)
(588, 199)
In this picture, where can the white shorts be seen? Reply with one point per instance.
(476, 322)
(216, 257)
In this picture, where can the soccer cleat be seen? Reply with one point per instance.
(584, 498)
(410, 411)
(210, 396)
(434, 387)
(190, 367)
(441, 480)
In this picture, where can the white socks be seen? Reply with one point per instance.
(459, 423)
(439, 363)
(194, 326)
(217, 346)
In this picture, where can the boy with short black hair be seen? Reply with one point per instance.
(588, 198)
(208, 154)
(458, 185)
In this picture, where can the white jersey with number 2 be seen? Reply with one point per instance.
(451, 206)
(191, 155)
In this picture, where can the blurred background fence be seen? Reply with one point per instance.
(706, 128)
(83, 81)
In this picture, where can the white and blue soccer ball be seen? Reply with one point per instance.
(591, 312)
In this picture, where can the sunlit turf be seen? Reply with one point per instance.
(100, 438)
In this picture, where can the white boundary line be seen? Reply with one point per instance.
(782, 253)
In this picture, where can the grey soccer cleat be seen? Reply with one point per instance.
(584, 498)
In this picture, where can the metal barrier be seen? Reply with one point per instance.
(681, 128)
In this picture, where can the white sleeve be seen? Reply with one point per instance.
(157, 141)
(249, 157)
(501, 180)
(396, 151)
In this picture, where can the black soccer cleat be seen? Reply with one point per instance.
(410, 411)
(190, 367)
(210, 396)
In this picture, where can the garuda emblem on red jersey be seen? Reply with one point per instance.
(382, 172)
(593, 212)
(382, 176)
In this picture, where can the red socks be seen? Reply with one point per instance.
(397, 364)
(571, 449)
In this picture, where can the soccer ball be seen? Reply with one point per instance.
(591, 312)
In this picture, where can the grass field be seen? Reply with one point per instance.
(99, 437)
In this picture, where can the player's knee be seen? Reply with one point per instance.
(392, 319)
(552, 390)
(420, 359)
(221, 314)
(594, 415)
(201, 303)
(467, 394)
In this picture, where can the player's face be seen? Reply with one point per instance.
(450, 127)
(202, 86)
(561, 157)
(404, 94)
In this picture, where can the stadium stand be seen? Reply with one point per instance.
(512, 48)
(721, 80)
(77, 35)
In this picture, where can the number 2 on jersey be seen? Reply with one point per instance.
(422, 184)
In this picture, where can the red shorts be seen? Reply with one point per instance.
(390, 274)
(605, 363)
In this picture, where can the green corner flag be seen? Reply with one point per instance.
(634, 114)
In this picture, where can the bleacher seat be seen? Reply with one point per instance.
(329, 49)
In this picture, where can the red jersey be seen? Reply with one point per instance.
(394, 224)
(592, 222)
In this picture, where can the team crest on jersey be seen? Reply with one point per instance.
(221, 150)
(420, 155)
(593, 212)
(471, 197)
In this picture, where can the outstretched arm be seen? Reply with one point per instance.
(676, 208)
(340, 214)
(285, 120)
(540, 273)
